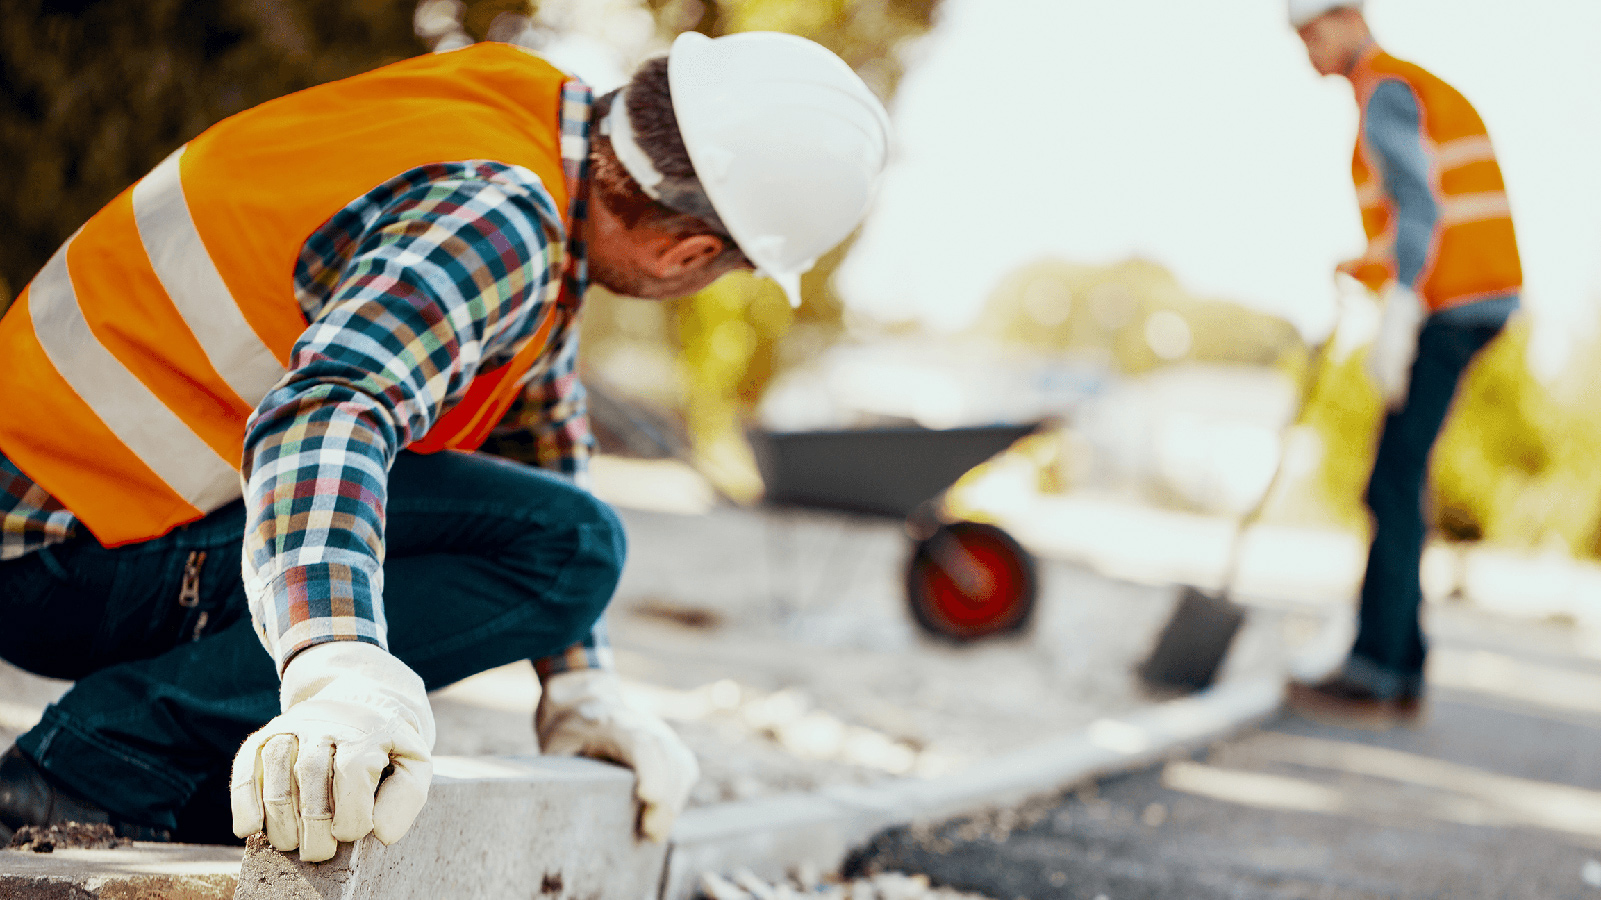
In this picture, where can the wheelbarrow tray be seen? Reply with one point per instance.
(885, 471)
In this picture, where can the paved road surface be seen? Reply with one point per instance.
(1496, 796)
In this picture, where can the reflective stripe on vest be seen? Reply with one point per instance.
(1474, 255)
(134, 415)
(192, 281)
(134, 358)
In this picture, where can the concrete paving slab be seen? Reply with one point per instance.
(140, 872)
(547, 828)
(774, 836)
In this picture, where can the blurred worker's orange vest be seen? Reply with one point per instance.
(130, 363)
(1475, 252)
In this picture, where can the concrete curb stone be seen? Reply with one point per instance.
(164, 871)
(774, 836)
(542, 827)
(552, 828)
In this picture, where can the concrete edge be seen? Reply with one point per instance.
(516, 826)
(167, 871)
(775, 835)
(770, 836)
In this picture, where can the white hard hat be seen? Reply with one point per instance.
(787, 142)
(1304, 11)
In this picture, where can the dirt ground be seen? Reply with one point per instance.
(779, 646)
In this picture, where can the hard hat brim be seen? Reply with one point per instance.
(790, 282)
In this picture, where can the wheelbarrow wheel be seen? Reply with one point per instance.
(969, 581)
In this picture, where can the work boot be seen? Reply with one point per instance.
(1339, 700)
(28, 796)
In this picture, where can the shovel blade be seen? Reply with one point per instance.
(1192, 645)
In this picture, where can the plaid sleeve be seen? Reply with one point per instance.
(446, 272)
(548, 425)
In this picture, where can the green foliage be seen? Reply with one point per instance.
(1519, 458)
(1345, 413)
(865, 33)
(1135, 312)
(97, 93)
(1514, 465)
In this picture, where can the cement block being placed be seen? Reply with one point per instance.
(503, 827)
(140, 872)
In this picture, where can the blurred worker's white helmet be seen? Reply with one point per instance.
(1304, 11)
(787, 142)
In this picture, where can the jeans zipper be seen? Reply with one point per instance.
(189, 592)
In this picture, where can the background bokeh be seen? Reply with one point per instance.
(999, 244)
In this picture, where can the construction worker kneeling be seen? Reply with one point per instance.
(247, 483)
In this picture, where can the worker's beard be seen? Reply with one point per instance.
(630, 282)
(625, 282)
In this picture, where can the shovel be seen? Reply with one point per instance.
(1192, 645)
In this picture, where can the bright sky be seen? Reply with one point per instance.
(1197, 135)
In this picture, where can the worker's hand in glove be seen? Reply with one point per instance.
(583, 713)
(1394, 348)
(316, 774)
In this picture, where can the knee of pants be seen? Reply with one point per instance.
(589, 578)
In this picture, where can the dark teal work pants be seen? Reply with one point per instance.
(1388, 655)
(487, 562)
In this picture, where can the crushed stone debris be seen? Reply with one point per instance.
(804, 884)
(67, 836)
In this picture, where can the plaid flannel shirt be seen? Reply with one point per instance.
(409, 290)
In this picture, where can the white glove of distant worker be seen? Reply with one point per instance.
(583, 713)
(311, 777)
(1389, 360)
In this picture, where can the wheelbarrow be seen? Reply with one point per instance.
(965, 581)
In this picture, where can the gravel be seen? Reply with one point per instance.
(743, 885)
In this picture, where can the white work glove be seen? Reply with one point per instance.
(311, 777)
(583, 713)
(1389, 361)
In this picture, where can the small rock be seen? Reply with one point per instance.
(67, 836)
(715, 887)
(757, 888)
(1590, 873)
(896, 886)
(806, 876)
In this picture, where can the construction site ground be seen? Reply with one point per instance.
(778, 643)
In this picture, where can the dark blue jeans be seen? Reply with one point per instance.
(1388, 654)
(487, 562)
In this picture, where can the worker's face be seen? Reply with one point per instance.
(648, 263)
(1326, 44)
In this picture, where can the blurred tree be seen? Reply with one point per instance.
(97, 92)
(1345, 415)
(1133, 313)
(1519, 457)
(1515, 464)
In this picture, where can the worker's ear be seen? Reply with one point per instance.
(677, 256)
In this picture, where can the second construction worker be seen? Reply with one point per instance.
(1443, 256)
(243, 498)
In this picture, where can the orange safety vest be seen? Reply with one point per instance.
(1474, 255)
(134, 357)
